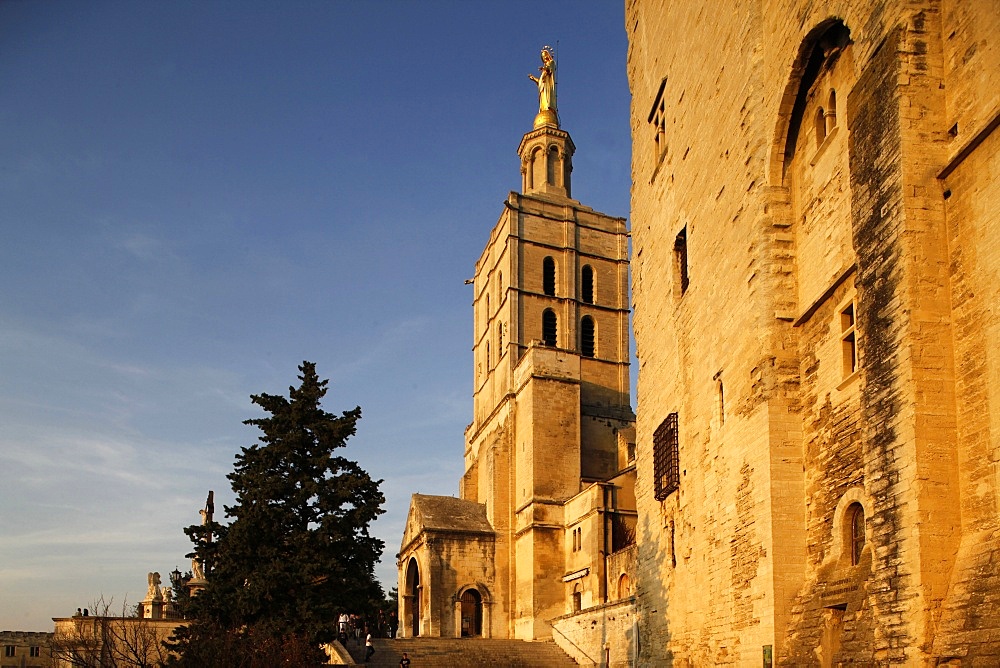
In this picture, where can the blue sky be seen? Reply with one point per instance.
(197, 196)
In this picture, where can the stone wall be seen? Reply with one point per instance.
(815, 269)
(604, 635)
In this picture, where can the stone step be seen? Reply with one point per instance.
(459, 652)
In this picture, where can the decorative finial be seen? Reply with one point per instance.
(546, 81)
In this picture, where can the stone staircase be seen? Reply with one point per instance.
(459, 652)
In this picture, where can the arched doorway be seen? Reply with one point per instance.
(411, 600)
(472, 613)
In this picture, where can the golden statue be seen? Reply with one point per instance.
(546, 81)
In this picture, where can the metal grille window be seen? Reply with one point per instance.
(666, 472)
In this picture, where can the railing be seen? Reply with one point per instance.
(575, 646)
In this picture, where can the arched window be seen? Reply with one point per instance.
(587, 336)
(536, 168)
(552, 162)
(549, 327)
(587, 284)
(856, 514)
(623, 586)
(489, 362)
(549, 276)
(831, 112)
(820, 126)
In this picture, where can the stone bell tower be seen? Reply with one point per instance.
(552, 422)
(546, 161)
(551, 392)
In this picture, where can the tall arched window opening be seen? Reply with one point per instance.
(831, 112)
(552, 163)
(856, 514)
(624, 586)
(587, 336)
(820, 126)
(411, 600)
(549, 327)
(536, 168)
(549, 276)
(587, 284)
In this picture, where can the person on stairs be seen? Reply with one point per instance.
(369, 647)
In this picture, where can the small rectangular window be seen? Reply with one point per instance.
(666, 471)
(8, 650)
(36, 651)
(658, 124)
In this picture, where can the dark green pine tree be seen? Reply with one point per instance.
(297, 550)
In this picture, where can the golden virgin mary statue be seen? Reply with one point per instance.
(546, 81)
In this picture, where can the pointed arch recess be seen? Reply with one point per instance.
(824, 39)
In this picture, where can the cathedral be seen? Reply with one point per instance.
(544, 524)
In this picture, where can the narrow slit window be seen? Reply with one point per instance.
(681, 259)
(849, 339)
(721, 403)
(820, 126)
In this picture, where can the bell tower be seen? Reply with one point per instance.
(551, 395)
(546, 161)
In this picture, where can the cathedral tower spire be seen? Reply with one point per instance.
(547, 151)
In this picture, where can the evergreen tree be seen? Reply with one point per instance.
(297, 550)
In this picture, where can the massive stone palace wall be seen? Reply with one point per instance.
(814, 273)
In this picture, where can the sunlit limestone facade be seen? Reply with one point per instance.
(547, 493)
(815, 279)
